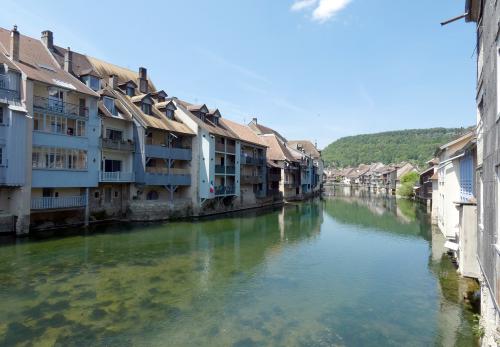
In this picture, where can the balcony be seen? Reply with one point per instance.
(224, 170)
(8, 90)
(117, 176)
(118, 145)
(225, 148)
(164, 176)
(59, 107)
(251, 179)
(224, 191)
(164, 152)
(253, 161)
(48, 203)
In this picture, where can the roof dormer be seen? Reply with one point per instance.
(214, 116)
(160, 95)
(199, 111)
(169, 108)
(128, 87)
(91, 78)
(145, 101)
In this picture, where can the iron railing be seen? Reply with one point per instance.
(119, 145)
(58, 106)
(222, 190)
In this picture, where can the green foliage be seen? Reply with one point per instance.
(415, 146)
(408, 181)
(410, 177)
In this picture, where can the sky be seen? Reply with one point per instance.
(311, 69)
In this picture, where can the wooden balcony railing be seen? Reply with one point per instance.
(47, 203)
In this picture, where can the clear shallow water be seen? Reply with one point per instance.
(341, 272)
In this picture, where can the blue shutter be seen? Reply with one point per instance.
(466, 177)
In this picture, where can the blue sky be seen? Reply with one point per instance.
(312, 69)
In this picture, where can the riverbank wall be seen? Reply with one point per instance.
(151, 211)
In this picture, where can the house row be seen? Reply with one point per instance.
(82, 139)
(465, 176)
(376, 177)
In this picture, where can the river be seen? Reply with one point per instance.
(342, 271)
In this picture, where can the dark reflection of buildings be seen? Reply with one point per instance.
(407, 218)
(382, 212)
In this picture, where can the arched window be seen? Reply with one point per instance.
(152, 195)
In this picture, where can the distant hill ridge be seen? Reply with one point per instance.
(416, 146)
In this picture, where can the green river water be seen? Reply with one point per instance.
(343, 271)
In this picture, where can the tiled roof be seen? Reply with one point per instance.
(39, 65)
(263, 130)
(277, 149)
(220, 129)
(308, 147)
(124, 75)
(243, 132)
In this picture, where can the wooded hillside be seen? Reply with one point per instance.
(415, 146)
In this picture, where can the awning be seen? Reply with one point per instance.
(451, 245)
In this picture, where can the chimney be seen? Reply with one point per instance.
(143, 80)
(48, 39)
(14, 44)
(113, 81)
(68, 61)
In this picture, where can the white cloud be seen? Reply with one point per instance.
(328, 8)
(300, 5)
(323, 9)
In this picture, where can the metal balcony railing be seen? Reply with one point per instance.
(58, 106)
(7, 88)
(222, 190)
(117, 176)
(253, 161)
(119, 145)
(47, 203)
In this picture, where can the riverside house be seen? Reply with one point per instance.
(105, 143)
(162, 145)
(485, 14)
(453, 200)
(300, 171)
(61, 141)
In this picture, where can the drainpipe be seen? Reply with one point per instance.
(87, 210)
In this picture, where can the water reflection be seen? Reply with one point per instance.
(345, 271)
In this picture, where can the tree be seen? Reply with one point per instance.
(408, 181)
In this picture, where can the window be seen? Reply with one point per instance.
(56, 100)
(1, 157)
(58, 125)
(170, 114)
(58, 158)
(115, 135)
(112, 165)
(130, 91)
(152, 195)
(92, 82)
(38, 121)
(466, 177)
(82, 108)
(146, 108)
(109, 103)
(96, 194)
(1, 115)
(80, 128)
